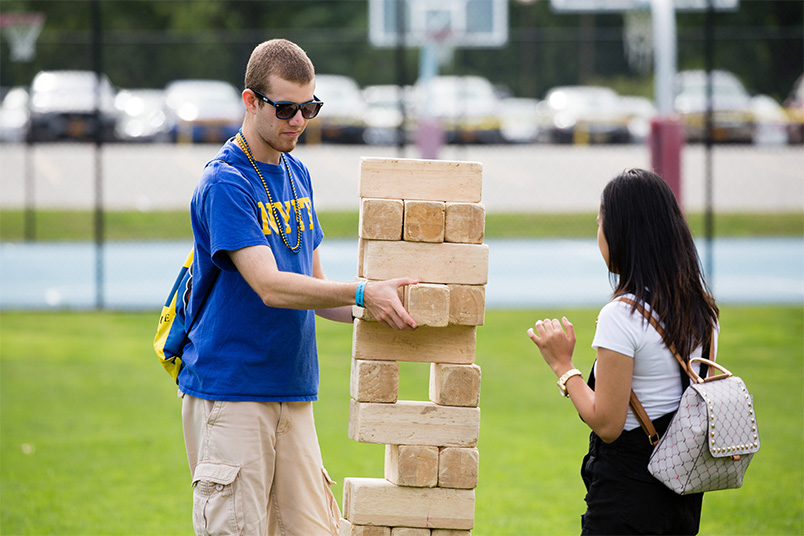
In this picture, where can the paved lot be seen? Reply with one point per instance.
(516, 178)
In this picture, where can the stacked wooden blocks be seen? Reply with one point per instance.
(420, 219)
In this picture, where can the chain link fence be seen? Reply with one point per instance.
(96, 208)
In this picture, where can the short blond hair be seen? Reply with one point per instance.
(279, 57)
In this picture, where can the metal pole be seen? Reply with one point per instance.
(99, 230)
(664, 32)
(29, 217)
(401, 72)
(709, 56)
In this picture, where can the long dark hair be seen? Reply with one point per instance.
(653, 255)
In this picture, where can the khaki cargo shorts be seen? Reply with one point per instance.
(257, 469)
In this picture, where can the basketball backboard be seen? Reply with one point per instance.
(598, 6)
(458, 23)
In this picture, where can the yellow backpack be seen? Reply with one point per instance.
(172, 330)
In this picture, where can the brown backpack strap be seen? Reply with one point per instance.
(644, 420)
(636, 406)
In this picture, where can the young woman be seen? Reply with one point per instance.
(648, 248)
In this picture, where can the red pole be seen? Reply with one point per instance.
(666, 141)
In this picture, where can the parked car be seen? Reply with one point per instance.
(467, 107)
(640, 111)
(384, 114)
(142, 116)
(63, 106)
(14, 115)
(732, 119)
(584, 114)
(519, 119)
(794, 104)
(341, 119)
(203, 110)
(771, 121)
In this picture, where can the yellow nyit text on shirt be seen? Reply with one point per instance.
(287, 210)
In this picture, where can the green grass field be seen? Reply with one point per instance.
(91, 443)
(53, 225)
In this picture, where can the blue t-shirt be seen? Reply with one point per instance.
(239, 348)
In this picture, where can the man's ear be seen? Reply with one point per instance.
(251, 101)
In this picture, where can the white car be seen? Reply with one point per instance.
(203, 110)
(341, 119)
(732, 118)
(467, 107)
(14, 115)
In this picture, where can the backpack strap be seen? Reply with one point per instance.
(200, 307)
(636, 406)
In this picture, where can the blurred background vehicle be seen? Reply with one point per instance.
(467, 107)
(341, 119)
(794, 104)
(203, 110)
(583, 114)
(519, 119)
(142, 116)
(639, 111)
(63, 106)
(385, 115)
(770, 121)
(732, 118)
(14, 115)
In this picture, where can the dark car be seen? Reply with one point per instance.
(63, 106)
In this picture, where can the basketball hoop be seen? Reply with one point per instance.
(22, 30)
(638, 39)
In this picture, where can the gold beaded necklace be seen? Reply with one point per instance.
(241, 141)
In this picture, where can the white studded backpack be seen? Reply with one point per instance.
(713, 435)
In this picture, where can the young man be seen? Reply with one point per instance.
(251, 369)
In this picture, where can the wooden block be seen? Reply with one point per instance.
(452, 344)
(464, 223)
(428, 180)
(455, 385)
(428, 263)
(346, 528)
(413, 423)
(467, 305)
(458, 467)
(409, 531)
(381, 219)
(428, 304)
(374, 381)
(411, 465)
(375, 501)
(450, 532)
(361, 254)
(424, 221)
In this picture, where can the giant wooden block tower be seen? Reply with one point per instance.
(421, 219)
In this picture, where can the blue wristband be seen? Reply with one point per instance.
(359, 293)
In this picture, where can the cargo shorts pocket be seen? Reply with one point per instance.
(334, 512)
(215, 508)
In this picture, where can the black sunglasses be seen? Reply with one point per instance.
(287, 110)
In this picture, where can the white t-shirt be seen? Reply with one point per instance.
(656, 380)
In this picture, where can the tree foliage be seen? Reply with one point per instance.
(148, 43)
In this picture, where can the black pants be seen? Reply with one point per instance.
(623, 498)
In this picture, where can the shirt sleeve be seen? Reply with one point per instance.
(232, 220)
(617, 330)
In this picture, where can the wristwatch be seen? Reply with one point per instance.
(562, 381)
